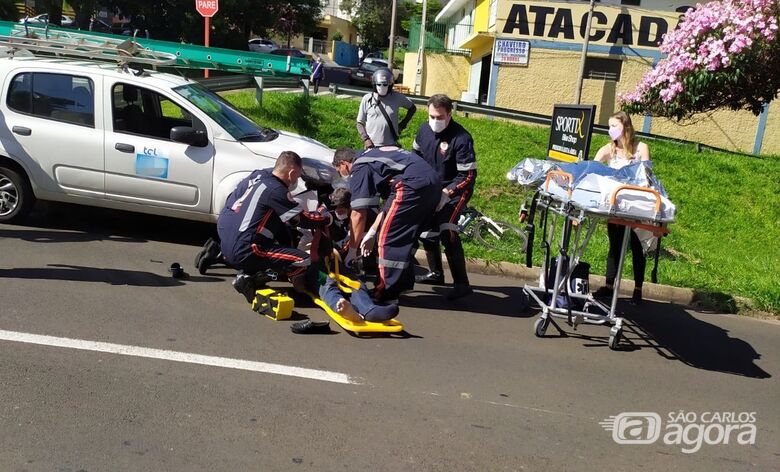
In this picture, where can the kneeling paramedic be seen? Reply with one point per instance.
(414, 189)
(252, 226)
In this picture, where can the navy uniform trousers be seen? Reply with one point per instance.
(407, 209)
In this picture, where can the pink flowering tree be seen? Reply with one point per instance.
(723, 54)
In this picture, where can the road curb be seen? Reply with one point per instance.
(650, 291)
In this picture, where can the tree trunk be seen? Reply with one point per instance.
(54, 9)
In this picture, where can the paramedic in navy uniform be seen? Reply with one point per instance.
(414, 190)
(449, 149)
(252, 226)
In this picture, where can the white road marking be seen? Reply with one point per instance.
(187, 357)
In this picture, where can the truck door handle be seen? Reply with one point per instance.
(122, 147)
(21, 130)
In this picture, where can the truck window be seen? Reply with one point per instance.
(141, 111)
(60, 97)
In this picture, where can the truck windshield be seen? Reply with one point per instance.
(235, 123)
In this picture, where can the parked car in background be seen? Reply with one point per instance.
(125, 29)
(43, 18)
(362, 75)
(289, 52)
(262, 45)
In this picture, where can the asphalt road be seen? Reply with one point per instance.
(470, 388)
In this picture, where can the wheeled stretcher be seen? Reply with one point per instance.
(580, 203)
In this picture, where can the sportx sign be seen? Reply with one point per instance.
(570, 132)
(567, 22)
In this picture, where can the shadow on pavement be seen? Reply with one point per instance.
(693, 341)
(675, 334)
(62, 222)
(488, 300)
(92, 274)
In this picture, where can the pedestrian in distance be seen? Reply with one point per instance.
(377, 119)
(317, 73)
(623, 149)
(449, 149)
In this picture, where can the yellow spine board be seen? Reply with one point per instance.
(362, 326)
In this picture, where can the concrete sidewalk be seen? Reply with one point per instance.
(650, 291)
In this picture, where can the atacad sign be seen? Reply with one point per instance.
(567, 22)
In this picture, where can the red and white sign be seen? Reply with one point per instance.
(207, 8)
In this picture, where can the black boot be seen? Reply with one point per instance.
(457, 262)
(435, 275)
(209, 255)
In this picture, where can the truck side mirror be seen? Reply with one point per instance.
(189, 135)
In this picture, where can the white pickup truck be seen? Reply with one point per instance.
(91, 133)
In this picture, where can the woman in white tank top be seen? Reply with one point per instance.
(622, 150)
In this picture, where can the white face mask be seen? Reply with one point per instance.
(615, 132)
(342, 215)
(437, 125)
(382, 90)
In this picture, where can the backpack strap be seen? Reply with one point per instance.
(387, 118)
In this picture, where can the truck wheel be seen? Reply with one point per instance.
(16, 196)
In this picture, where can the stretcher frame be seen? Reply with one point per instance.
(576, 220)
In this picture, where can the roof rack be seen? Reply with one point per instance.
(66, 42)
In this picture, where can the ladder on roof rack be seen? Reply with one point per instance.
(123, 50)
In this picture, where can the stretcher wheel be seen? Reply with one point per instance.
(614, 339)
(540, 326)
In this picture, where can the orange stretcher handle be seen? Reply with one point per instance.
(560, 173)
(657, 195)
(656, 230)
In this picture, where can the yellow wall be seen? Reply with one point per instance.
(481, 15)
(547, 80)
(724, 129)
(550, 78)
(346, 28)
(443, 73)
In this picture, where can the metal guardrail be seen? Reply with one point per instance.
(219, 84)
(526, 117)
(239, 81)
(466, 107)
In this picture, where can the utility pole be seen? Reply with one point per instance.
(421, 51)
(391, 50)
(578, 92)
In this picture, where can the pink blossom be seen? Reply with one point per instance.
(710, 37)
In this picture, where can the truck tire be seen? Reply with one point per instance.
(16, 195)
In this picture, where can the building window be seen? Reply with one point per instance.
(493, 13)
(599, 68)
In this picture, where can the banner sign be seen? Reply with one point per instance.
(511, 52)
(612, 25)
(570, 132)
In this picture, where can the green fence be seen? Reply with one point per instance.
(436, 36)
